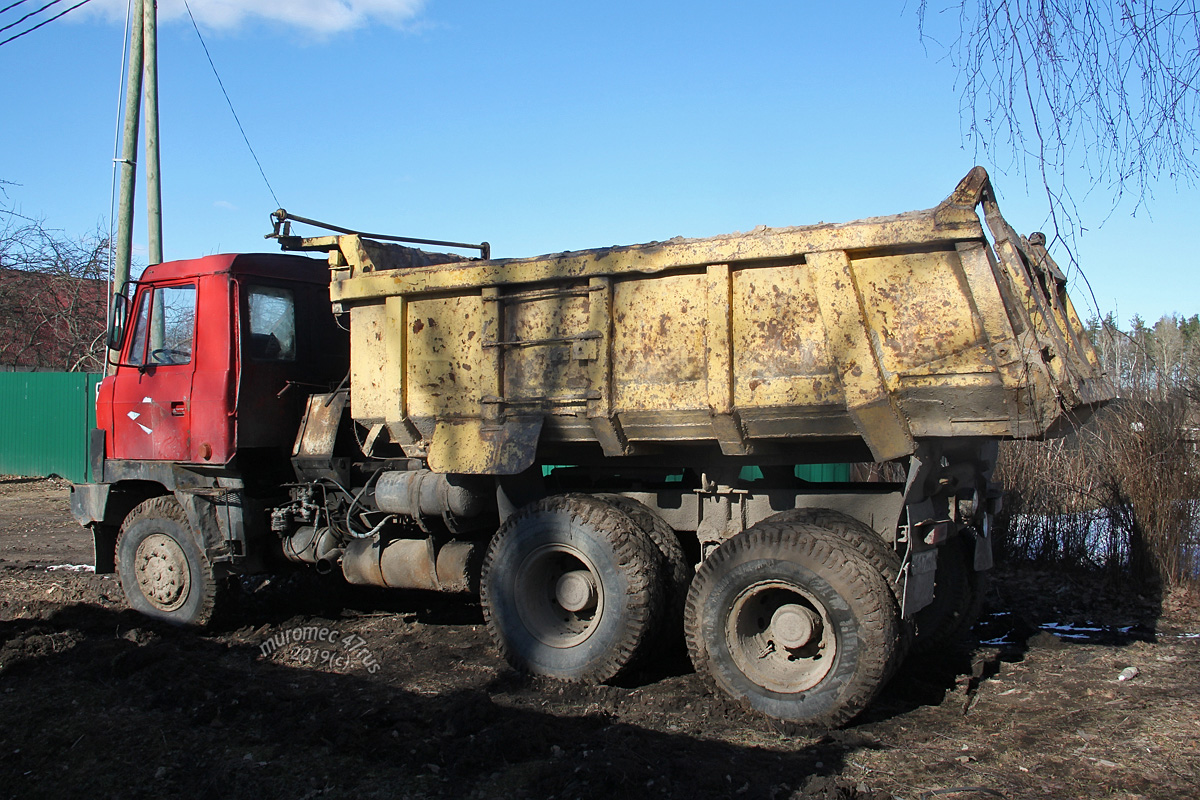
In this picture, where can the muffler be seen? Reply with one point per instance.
(409, 564)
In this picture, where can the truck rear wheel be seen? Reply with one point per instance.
(674, 566)
(860, 536)
(163, 570)
(570, 589)
(792, 625)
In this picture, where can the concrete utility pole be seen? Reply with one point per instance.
(143, 62)
(153, 187)
(128, 160)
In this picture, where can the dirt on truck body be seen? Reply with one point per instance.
(613, 447)
(884, 332)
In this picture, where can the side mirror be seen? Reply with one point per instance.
(120, 315)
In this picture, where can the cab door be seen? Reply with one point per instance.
(152, 395)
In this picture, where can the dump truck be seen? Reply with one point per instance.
(772, 448)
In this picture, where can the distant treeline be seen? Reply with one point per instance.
(1120, 494)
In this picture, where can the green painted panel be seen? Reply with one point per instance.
(45, 418)
(823, 473)
(814, 473)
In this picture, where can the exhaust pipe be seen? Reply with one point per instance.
(327, 563)
(310, 545)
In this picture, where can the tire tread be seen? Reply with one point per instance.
(635, 553)
(878, 629)
(167, 507)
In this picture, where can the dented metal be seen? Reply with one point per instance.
(885, 331)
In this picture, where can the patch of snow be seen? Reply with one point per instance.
(1066, 631)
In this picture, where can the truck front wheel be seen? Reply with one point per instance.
(164, 572)
(570, 588)
(792, 625)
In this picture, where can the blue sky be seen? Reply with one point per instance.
(540, 127)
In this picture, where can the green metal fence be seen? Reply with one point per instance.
(45, 418)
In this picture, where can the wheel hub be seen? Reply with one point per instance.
(560, 599)
(161, 569)
(793, 626)
(780, 638)
(576, 590)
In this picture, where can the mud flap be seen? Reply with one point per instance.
(919, 573)
(983, 545)
(104, 548)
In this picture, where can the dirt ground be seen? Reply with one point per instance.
(310, 691)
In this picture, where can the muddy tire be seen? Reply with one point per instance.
(860, 536)
(570, 589)
(957, 599)
(674, 566)
(792, 625)
(163, 570)
(867, 542)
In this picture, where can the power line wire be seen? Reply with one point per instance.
(245, 138)
(40, 24)
(11, 6)
(30, 14)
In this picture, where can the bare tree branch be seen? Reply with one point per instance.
(53, 296)
(1053, 87)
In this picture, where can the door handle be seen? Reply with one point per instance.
(178, 408)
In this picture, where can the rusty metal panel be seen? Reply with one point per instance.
(659, 361)
(917, 310)
(855, 352)
(478, 447)
(547, 342)
(319, 426)
(602, 418)
(727, 424)
(368, 365)
(780, 357)
(444, 353)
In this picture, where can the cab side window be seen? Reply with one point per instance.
(164, 327)
(272, 334)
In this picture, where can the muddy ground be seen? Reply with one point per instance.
(376, 694)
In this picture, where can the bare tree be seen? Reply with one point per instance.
(53, 296)
(1122, 491)
(1052, 85)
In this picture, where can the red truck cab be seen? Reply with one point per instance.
(210, 354)
(213, 360)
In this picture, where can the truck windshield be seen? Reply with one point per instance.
(272, 323)
(166, 322)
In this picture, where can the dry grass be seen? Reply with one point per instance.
(1120, 495)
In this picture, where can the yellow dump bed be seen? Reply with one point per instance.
(882, 332)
